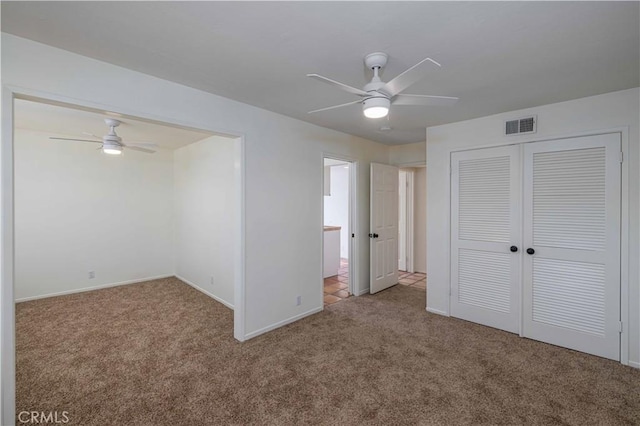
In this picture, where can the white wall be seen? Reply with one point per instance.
(127, 218)
(282, 180)
(78, 210)
(336, 206)
(206, 216)
(420, 219)
(591, 114)
(413, 154)
(282, 176)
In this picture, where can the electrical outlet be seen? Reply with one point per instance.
(298, 300)
(211, 280)
(92, 275)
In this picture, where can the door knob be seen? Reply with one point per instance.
(513, 249)
(375, 235)
(530, 250)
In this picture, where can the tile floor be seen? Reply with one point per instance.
(416, 280)
(336, 288)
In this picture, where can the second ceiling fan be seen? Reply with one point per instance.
(377, 96)
(111, 142)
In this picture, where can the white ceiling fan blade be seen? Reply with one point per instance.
(91, 134)
(334, 107)
(409, 77)
(424, 100)
(339, 85)
(139, 148)
(143, 144)
(73, 139)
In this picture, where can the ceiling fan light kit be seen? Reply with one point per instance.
(112, 149)
(376, 107)
(378, 96)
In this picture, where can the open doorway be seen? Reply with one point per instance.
(412, 218)
(338, 251)
(88, 222)
(146, 207)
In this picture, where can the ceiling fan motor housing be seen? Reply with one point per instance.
(112, 139)
(374, 88)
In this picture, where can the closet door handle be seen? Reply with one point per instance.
(513, 249)
(530, 250)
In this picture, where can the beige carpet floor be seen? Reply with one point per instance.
(161, 353)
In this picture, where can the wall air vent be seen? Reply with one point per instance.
(520, 126)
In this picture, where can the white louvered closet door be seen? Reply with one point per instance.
(571, 286)
(485, 223)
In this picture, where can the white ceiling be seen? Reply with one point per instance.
(71, 123)
(495, 56)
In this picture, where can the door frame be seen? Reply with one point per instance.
(402, 220)
(409, 218)
(7, 230)
(624, 223)
(413, 165)
(353, 224)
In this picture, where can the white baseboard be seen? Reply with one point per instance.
(437, 311)
(281, 323)
(98, 287)
(634, 364)
(201, 290)
(363, 291)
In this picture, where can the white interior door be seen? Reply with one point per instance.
(572, 237)
(384, 227)
(402, 220)
(485, 229)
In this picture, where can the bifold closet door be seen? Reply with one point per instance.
(485, 228)
(571, 259)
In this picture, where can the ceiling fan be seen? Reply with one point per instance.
(111, 142)
(378, 96)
